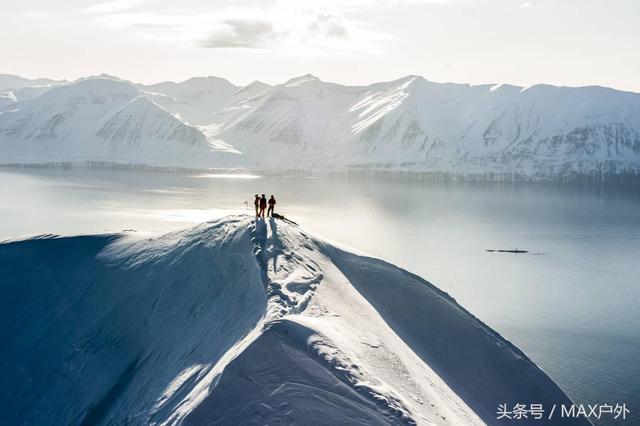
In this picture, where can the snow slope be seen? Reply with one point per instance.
(408, 125)
(8, 101)
(294, 125)
(237, 322)
(98, 120)
(14, 82)
(14, 89)
(193, 100)
(541, 132)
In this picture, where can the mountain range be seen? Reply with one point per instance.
(410, 125)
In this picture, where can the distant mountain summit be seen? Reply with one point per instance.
(411, 124)
(193, 100)
(307, 78)
(97, 120)
(408, 125)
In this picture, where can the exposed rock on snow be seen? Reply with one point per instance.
(237, 322)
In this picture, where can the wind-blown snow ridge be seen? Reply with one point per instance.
(238, 322)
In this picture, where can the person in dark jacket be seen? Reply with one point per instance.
(272, 204)
(263, 205)
(256, 203)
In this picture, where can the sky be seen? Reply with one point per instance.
(561, 42)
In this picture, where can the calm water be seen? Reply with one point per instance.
(571, 305)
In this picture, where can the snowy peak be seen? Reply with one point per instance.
(104, 76)
(10, 82)
(194, 100)
(266, 322)
(252, 89)
(303, 79)
(64, 114)
(192, 85)
(410, 124)
(14, 89)
(141, 122)
(98, 120)
(209, 81)
(407, 80)
(98, 89)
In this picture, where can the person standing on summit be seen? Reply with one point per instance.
(272, 204)
(256, 203)
(263, 205)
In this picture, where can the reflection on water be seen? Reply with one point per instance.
(226, 176)
(572, 304)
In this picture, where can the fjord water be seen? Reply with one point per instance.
(571, 303)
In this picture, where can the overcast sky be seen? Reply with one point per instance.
(564, 42)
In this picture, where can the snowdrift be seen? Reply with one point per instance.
(237, 322)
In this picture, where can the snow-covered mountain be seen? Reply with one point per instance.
(416, 125)
(7, 101)
(98, 120)
(194, 100)
(238, 322)
(410, 125)
(14, 82)
(14, 89)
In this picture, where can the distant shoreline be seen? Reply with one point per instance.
(626, 179)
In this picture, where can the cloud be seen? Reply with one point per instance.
(113, 6)
(526, 5)
(285, 25)
(328, 25)
(249, 33)
(249, 28)
(289, 31)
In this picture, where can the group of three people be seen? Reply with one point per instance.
(261, 204)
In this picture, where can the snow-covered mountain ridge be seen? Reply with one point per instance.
(238, 322)
(101, 120)
(410, 125)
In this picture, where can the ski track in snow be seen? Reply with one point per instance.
(290, 282)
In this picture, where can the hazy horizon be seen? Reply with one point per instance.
(232, 81)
